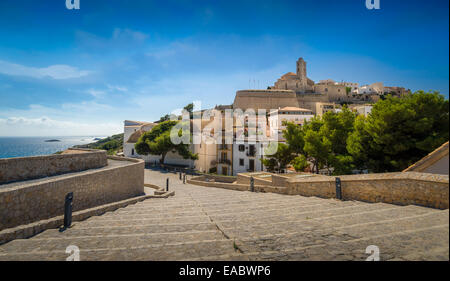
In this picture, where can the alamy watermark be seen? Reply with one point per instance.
(374, 252)
(230, 126)
(74, 253)
(73, 4)
(373, 4)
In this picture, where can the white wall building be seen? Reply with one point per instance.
(133, 130)
(287, 114)
(354, 86)
(372, 88)
(247, 157)
(363, 109)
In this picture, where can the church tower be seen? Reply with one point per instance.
(301, 72)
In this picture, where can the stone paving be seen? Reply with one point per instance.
(202, 223)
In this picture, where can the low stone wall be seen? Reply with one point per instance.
(429, 190)
(245, 179)
(30, 201)
(217, 178)
(200, 180)
(410, 188)
(237, 186)
(26, 168)
(423, 189)
(28, 230)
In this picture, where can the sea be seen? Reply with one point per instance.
(34, 146)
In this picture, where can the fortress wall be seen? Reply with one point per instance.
(30, 201)
(264, 99)
(273, 99)
(334, 92)
(26, 168)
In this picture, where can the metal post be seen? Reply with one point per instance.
(68, 210)
(252, 184)
(167, 184)
(180, 174)
(338, 189)
(184, 178)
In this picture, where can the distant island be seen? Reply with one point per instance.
(54, 140)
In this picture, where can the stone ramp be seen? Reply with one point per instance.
(202, 223)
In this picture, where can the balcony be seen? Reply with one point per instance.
(224, 147)
(224, 161)
(251, 151)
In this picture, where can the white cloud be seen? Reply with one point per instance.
(117, 88)
(44, 126)
(95, 93)
(175, 48)
(58, 71)
(126, 33)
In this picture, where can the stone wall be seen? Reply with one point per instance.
(429, 190)
(410, 188)
(26, 168)
(30, 201)
(216, 178)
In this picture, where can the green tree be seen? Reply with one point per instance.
(158, 142)
(400, 131)
(189, 108)
(164, 118)
(280, 159)
(323, 141)
(300, 163)
(348, 90)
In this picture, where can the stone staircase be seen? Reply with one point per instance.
(201, 223)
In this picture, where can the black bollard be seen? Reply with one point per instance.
(68, 210)
(338, 189)
(180, 174)
(184, 178)
(252, 184)
(167, 184)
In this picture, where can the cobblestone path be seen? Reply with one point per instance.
(201, 223)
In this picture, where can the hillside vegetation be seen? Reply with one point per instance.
(112, 144)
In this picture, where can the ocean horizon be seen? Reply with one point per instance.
(34, 146)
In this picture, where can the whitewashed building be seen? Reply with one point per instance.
(133, 131)
(278, 117)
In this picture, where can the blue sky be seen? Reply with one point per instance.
(82, 72)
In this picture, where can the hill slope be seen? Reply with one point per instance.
(112, 144)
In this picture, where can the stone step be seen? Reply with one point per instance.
(169, 251)
(391, 246)
(296, 225)
(288, 211)
(258, 208)
(160, 211)
(81, 230)
(346, 232)
(107, 241)
(255, 207)
(155, 215)
(120, 220)
(301, 215)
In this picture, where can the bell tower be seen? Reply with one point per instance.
(301, 72)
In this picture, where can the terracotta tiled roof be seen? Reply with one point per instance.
(288, 76)
(292, 108)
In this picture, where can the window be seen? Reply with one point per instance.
(326, 89)
(241, 147)
(241, 162)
